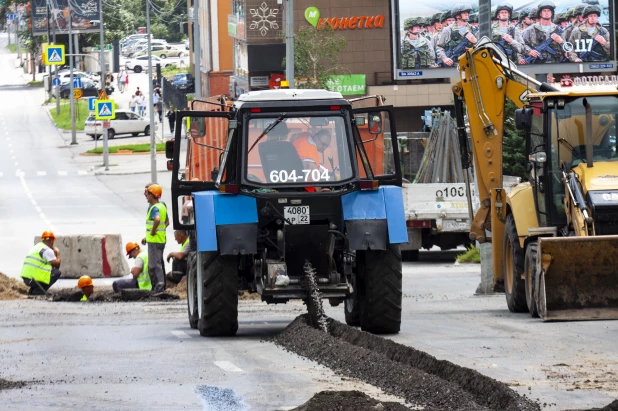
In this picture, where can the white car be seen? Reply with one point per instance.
(126, 122)
(139, 64)
(65, 76)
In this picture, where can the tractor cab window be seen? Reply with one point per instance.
(288, 150)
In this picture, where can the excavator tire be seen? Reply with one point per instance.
(219, 295)
(192, 289)
(530, 276)
(380, 299)
(513, 268)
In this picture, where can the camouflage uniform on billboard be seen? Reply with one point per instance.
(523, 14)
(577, 11)
(537, 35)
(597, 51)
(416, 53)
(515, 47)
(454, 35)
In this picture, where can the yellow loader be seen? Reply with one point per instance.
(554, 238)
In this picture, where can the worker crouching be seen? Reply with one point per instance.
(140, 277)
(86, 285)
(41, 267)
(179, 258)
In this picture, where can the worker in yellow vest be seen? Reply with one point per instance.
(156, 223)
(179, 258)
(41, 267)
(139, 273)
(86, 285)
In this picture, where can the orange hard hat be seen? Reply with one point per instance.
(131, 246)
(47, 235)
(155, 190)
(84, 281)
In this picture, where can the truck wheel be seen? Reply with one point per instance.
(192, 289)
(219, 313)
(410, 255)
(380, 299)
(513, 269)
(530, 275)
(351, 305)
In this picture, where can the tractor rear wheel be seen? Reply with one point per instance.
(530, 275)
(513, 269)
(192, 289)
(219, 282)
(381, 291)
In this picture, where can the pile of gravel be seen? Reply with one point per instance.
(12, 289)
(417, 377)
(7, 385)
(347, 401)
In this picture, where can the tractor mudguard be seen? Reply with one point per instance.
(370, 216)
(225, 222)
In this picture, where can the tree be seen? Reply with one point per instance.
(514, 146)
(316, 55)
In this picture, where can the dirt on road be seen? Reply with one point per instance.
(7, 385)
(107, 295)
(417, 377)
(347, 401)
(12, 289)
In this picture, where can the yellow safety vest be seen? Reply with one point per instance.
(84, 298)
(184, 244)
(143, 279)
(159, 237)
(35, 266)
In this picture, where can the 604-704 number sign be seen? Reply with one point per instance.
(283, 176)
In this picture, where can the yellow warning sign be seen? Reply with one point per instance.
(77, 93)
(103, 95)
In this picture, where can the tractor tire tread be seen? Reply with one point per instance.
(220, 295)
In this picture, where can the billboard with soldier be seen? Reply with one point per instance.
(561, 31)
(428, 37)
(431, 35)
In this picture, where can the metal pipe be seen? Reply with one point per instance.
(289, 43)
(103, 84)
(71, 95)
(197, 49)
(153, 145)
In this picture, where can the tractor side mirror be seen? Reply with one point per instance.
(169, 149)
(198, 127)
(523, 118)
(375, 123)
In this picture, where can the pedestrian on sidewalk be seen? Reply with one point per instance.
(41, 267)
(139, 273)
(171, 117)
(86, 285)
(133, 103)
(141, 104)
(122, 80)
(156, 223)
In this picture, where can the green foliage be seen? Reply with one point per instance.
(63, 121)
(316, 55)
(136, 148)
(171, 70)
(472, 255)
(12, 47)
(514, 146)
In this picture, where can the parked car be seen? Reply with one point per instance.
(139, 64)
(65, 76)
(161, 51)
(184, 82)
(89, 89)
(143, 45)
(126, 122)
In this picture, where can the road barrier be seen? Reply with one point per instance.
(96, 255)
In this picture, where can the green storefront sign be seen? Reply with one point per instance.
(351, 84)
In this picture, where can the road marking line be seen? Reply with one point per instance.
(16, 163)
(62, 173)
(180, 334)
(82, 173)
(33, 201)
(41, 173)
(11, 151)
(38, 210)
(13, 158)
(227, 366)
(20, 174)
(9, 145)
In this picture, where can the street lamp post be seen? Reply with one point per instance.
(103, 83)
(153, 145)
(71, 95)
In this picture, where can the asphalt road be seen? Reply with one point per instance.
(143, 355)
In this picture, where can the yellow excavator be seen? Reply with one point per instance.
(554, 238)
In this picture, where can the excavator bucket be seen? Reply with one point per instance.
(579, 278)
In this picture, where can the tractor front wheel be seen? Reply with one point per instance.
(192, 289)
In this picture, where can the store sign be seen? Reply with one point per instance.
(82, 13)
(258, 81)
(312, 15)
(352, 84)
(568, 81)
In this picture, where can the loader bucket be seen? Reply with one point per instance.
(579, 278)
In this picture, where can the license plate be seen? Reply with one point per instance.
(452, 225)
(296, 214)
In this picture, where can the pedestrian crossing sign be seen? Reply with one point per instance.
(54, 55)
(105, 110)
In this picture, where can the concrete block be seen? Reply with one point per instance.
(486, 285)
(96, 255)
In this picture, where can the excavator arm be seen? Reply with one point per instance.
(487, 77)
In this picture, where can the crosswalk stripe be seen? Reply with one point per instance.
(227, 366)
(82, 172)
(41, 173)
(62, 173)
